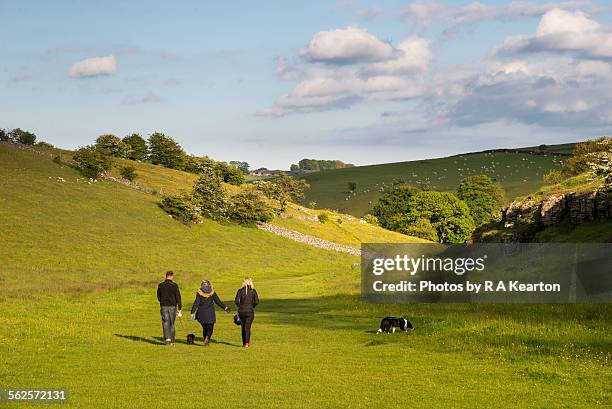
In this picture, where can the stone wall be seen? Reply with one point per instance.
(578, 208)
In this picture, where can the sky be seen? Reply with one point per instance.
(273, 82)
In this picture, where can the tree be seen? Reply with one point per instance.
(601, 167)
(129, 173)
(250, 206)
(283, 189)
(580, 161)
(392, 203)
(483, 196)
(210, 195)
(92, 162)
(230, 174)
(243, 166)
(448, 215)
(18, 135)
(319, 165)
(165, 151)
(4, 136)
(136, 147)
(112, 145)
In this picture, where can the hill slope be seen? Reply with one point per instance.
(519, 172)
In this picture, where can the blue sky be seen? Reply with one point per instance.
(273, 82)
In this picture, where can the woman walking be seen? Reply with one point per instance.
(203, 309)
(246, 300)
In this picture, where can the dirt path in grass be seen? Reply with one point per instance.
(310, 240)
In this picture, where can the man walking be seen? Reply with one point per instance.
(169, 297)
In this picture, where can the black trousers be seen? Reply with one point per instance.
(246, 320)
(207, 330)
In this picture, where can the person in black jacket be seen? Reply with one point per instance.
(246, 300)
(203, 309)
(169, 297)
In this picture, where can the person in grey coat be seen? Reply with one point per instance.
(203, 309)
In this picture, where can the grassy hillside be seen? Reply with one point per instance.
(163, 180)
(519, 173)
(80, 262)
(339, 228)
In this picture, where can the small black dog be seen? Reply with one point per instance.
(389, 324)
(190, 339)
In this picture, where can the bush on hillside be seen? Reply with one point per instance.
(92, 162)
(483, 196)
(165, 151)
(128, 172)
(182, 207)
(229, 173)
(601, 167)
(323, 218)
(581, 159)
(18, 135)
(111, 145)
(4, 135)
(421, 228)
(210, 195)
(136, 147)
(553, 177)
(371, 219)
(44, 145)
(250, 206)
(283, 189)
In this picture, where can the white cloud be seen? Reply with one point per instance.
(475, 13)
(346, 66)
(422, 12)
(94, 67)
(412, 54)
(563, 31)
(346, 46)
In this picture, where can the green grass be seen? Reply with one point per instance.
(79, 266)
(594, 232)
(163, 180)
(339, 228)
(519, 173)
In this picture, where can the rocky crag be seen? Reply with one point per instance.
(525, 218)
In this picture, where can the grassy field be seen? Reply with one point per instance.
(80, 263)
(520, 173)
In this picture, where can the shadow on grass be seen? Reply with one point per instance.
(161, 341)
(155, 341)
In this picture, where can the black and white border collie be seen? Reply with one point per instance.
(388, 324)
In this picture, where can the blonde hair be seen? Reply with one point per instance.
(247, 282)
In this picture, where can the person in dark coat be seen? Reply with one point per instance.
(203, 309)
(169, 297)
(246, 300)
